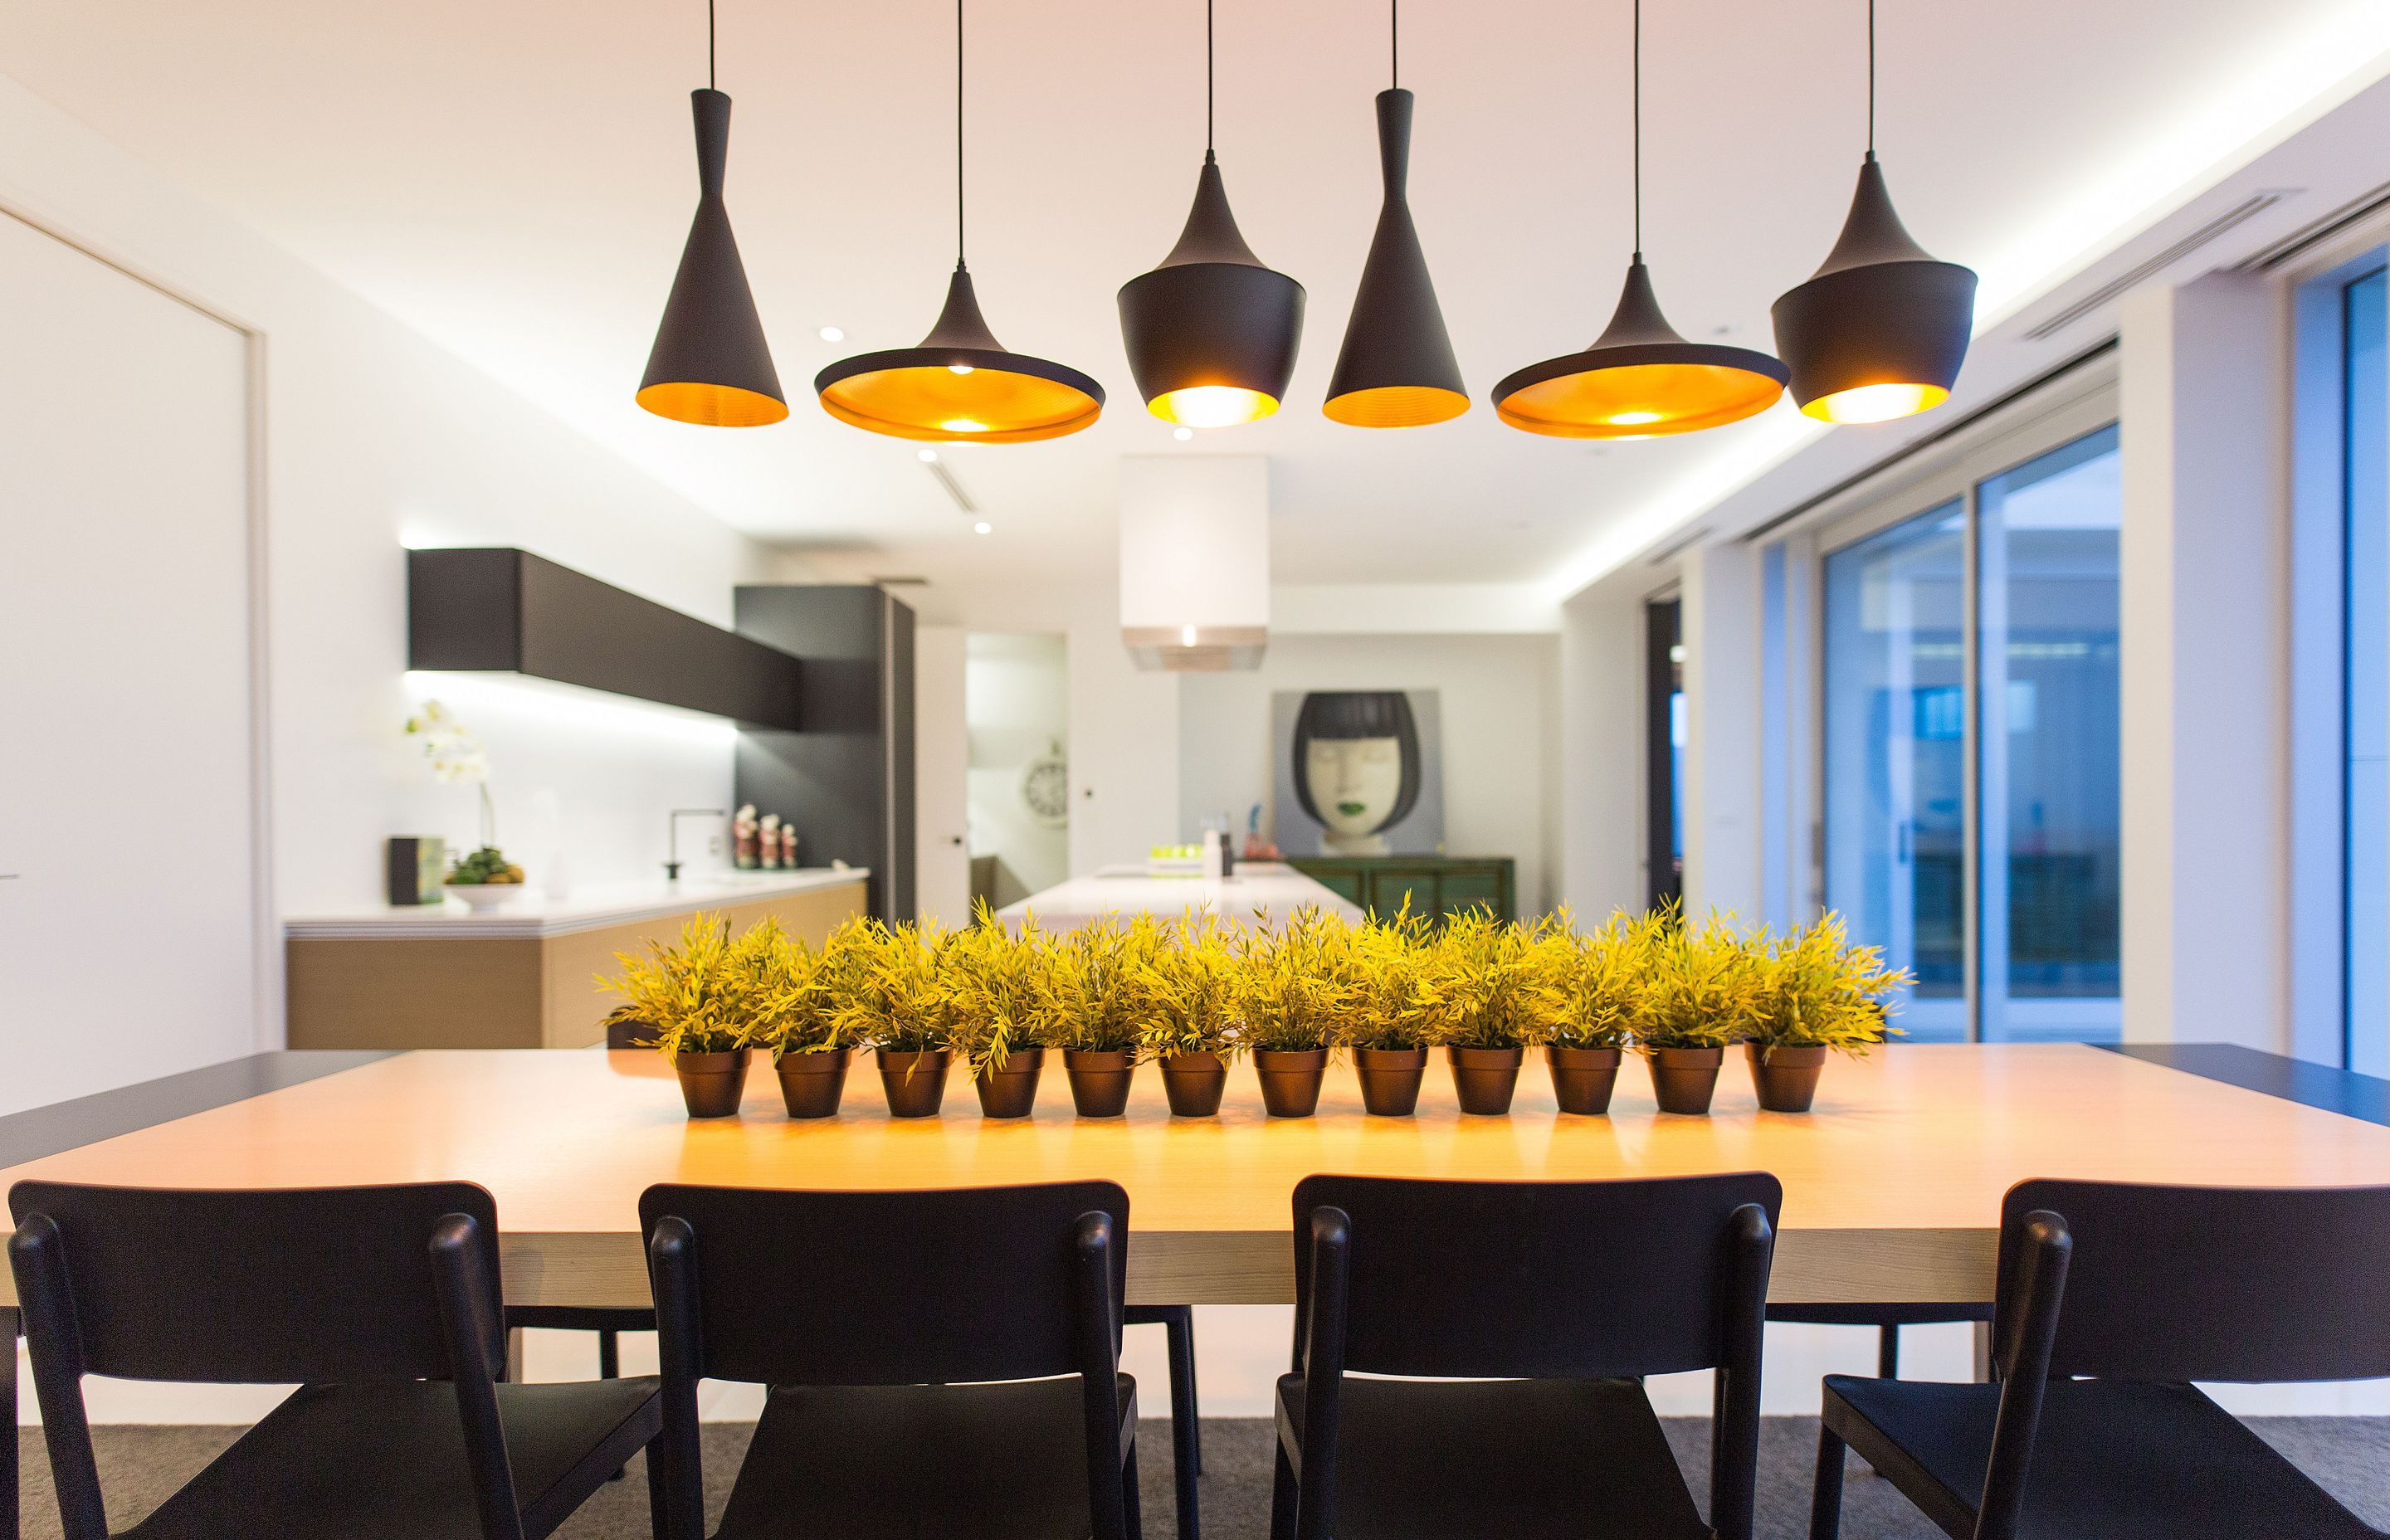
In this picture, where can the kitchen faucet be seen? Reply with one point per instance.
(672, 835)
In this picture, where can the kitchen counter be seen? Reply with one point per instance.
(1260, 892)
(591, 908)
(523, 975)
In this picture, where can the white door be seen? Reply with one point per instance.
(128, 893)
(941, 776)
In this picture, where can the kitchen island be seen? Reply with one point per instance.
(1258, 892)
(522, 975)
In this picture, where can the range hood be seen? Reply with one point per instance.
(1194, 560)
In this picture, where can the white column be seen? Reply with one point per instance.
(2206, 820)
(1602, 792)
(1722, 744)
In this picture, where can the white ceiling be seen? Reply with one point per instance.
(514, 180)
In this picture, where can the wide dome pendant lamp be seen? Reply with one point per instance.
(1640, 379)
(1396, 369)
(710, 364)
(959, 385)
(1879, 331)
(1211, 333)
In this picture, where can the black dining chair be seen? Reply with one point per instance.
(937, 1363)
(2112, 1298)
(1523, 1315)
(381, 1304)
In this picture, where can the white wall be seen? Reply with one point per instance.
(1499, 696)
(1017, 692)
(372, 436)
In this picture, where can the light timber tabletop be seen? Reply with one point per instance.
(1892, 1187)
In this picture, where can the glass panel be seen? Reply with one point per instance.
(2366, 673)
(2046, 562)
(1895, 749)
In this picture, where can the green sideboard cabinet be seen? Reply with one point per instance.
(1437, 885)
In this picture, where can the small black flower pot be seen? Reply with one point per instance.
(1290, 1080)
(1390, 1080)
(1582, 1078)
(811, 1083)
(711, 1082)
(1485, 1078)
(1193, 1082)
(1100, 1080)
(1011, 1091)
(914, 1081)
(1786, 1077)
(1684, 1079)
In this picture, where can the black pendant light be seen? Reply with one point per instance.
(1211, 333)
(1396, 369)
(959, 385)
(1640, 379)
(1879, 331)
(711, 364)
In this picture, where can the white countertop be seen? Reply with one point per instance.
(590, 907)
(1259, 890)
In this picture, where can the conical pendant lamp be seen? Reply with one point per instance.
(1640, 379)
(1879, 331)
(959, 385)
(1211, 333)
(710, 364)
(1396, 369)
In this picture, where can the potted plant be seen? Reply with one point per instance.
(1295, 984)
(993, 1012)
(1584, 1014)
(890, 994)
(810, 1051)
(1185, 1000)
(1484, 979)
(1391, 1013)
(1815, 992)
(1087, 990)
(1698, 990)
(699, 1001)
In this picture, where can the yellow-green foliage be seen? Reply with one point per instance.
(888, 989)
(1394, 1001)
(1701, 986)
(1591, 984)
(994, 992)
(1088, 985)
(1814, 988)
(1185, 997)
(1487, 981)
(708, 994)
(1298, 983)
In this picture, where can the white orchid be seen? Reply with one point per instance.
(455, 755)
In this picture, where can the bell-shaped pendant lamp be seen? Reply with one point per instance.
(1640, 379)
(1211, 333)
(959, 385)
(1396, 369)
(1879, 331)
(710, 364)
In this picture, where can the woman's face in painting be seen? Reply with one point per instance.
(1354, 782)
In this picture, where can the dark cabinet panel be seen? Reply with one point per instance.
(1437, 885)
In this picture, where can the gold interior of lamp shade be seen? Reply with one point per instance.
(712, 405)
(1396, 406)
(1638, 401)
(1212, 405)
(1876, 402)
(948, 403)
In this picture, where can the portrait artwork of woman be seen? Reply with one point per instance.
(1357, 767)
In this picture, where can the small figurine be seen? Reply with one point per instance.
(771, 839)
(742, 833)
(789, 846)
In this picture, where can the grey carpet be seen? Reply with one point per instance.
(2349, 1455)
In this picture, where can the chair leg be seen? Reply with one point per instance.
(1129, 1492)
(609, 1367)
(9, 1329)
(1887, 1353)
(1826, 1496)
(1186, 1431)
(1282, 1494)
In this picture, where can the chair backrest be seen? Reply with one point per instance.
(1535, 1279)
(889, 1288)
(2234, 1284)
(254, 1286)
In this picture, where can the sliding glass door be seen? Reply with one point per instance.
(1970, 782)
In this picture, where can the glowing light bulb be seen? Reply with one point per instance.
(963, 425)
(1876, 402)
(1186, 636)
(958, 368)
(1213, 405)
(1631, 419)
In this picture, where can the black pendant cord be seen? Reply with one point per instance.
(1394, 42)
(959, 133)
(1639, 128)
(710, 84)
(1871, 155)
(1207, 78)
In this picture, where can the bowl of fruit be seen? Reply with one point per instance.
(485, 879)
